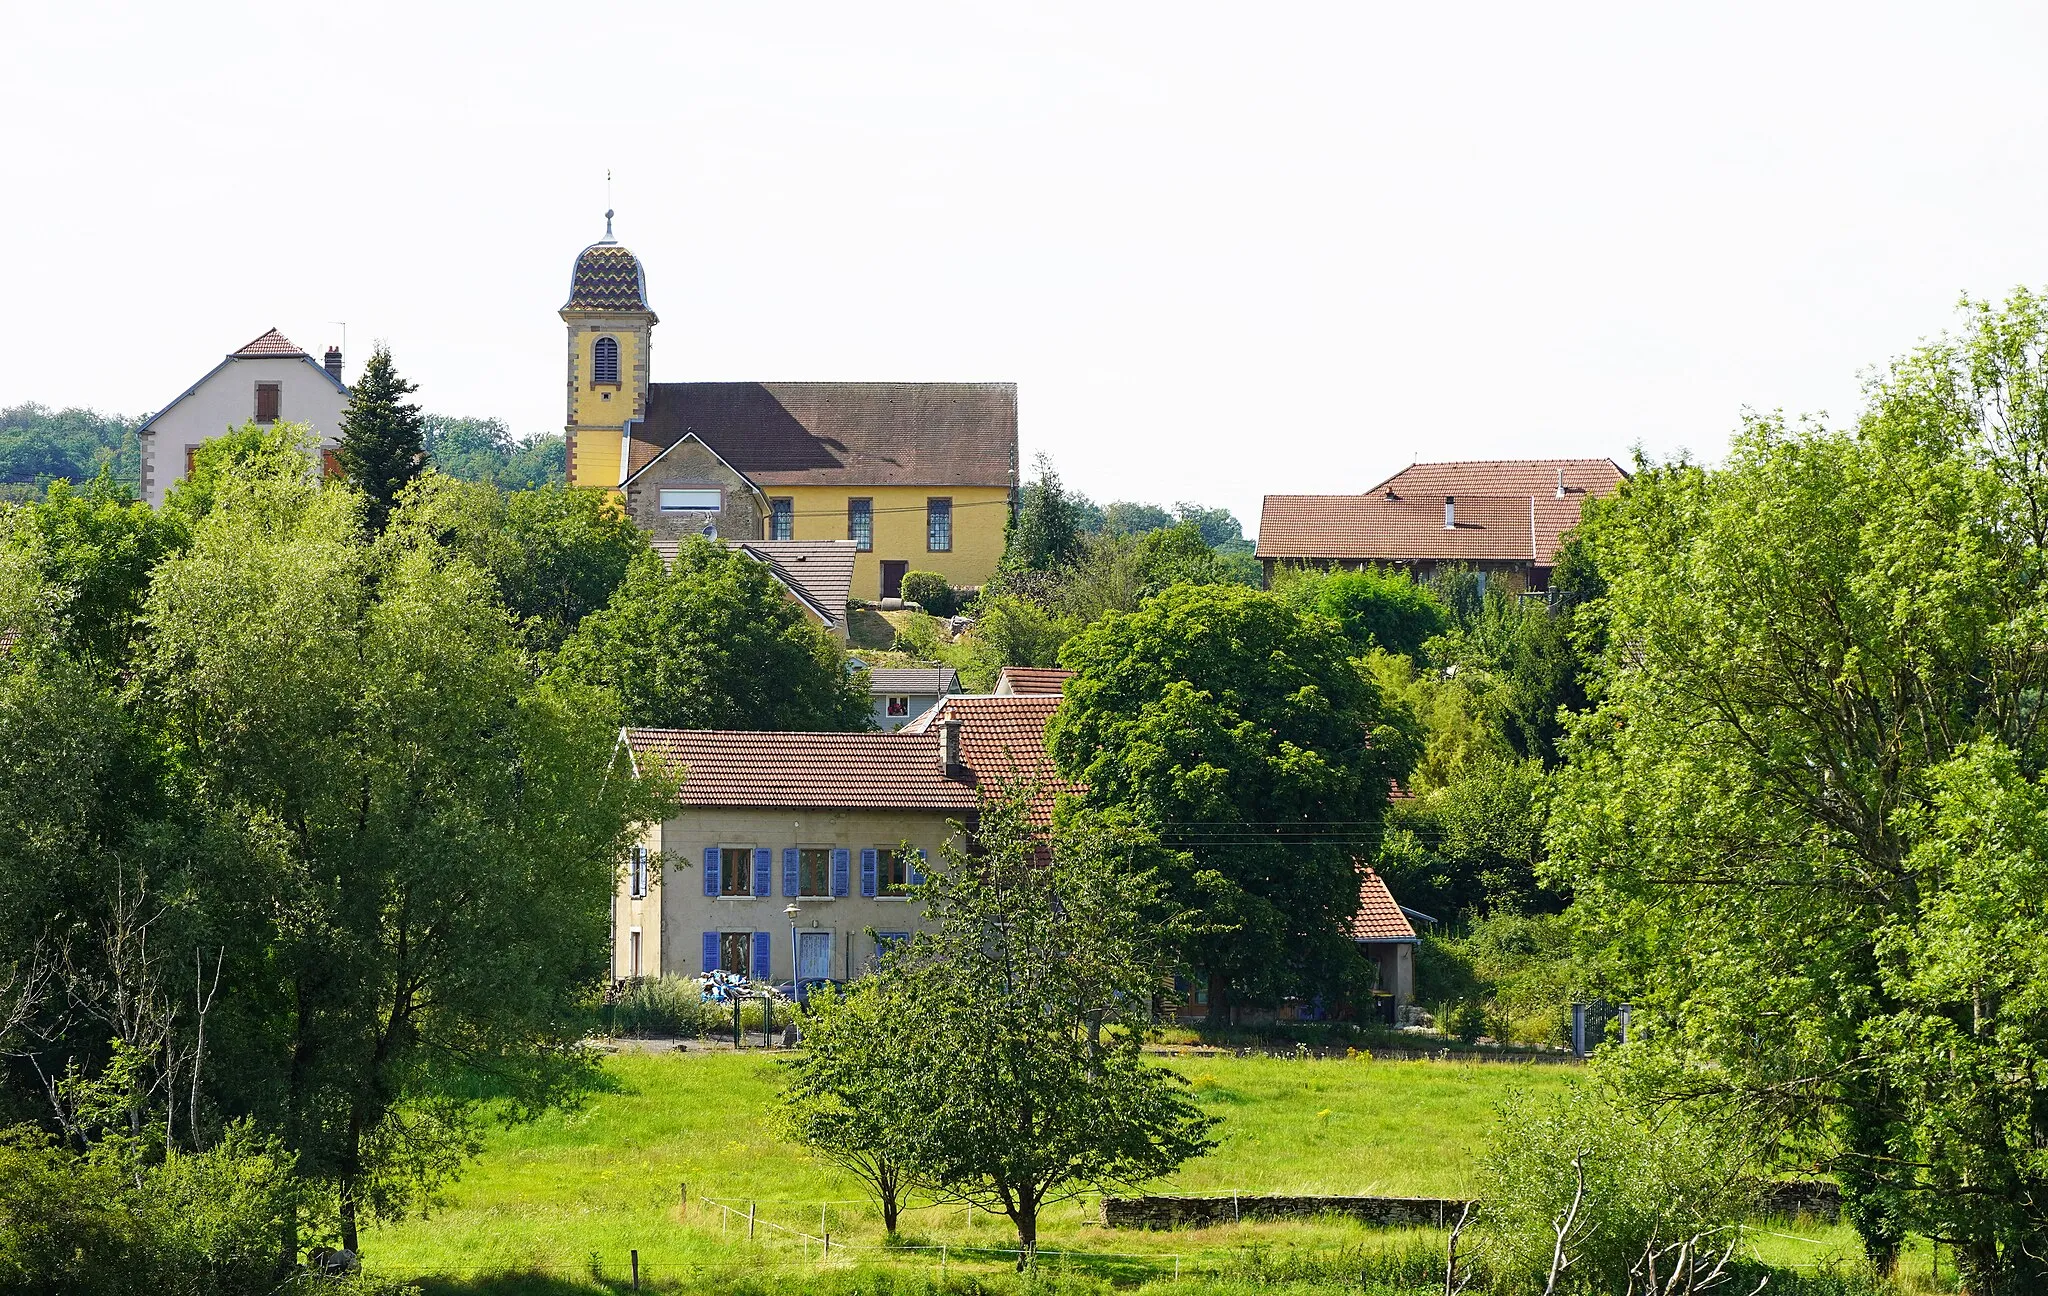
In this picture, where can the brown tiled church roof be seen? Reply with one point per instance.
(844, 434)
(607, 277)
(272, 345)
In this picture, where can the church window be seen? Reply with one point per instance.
(938, 525)
(782, 519)
(268, 400)
(860, 523)
(604, 360)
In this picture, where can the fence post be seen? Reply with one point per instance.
(636, 1269)
(942, 1260)
(684, 1186)
(750, 1221)
(826, 1250)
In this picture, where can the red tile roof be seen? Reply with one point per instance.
(839, 770)
(1504, 510)
(1020, 680)
(1379, 917)
(272, 345)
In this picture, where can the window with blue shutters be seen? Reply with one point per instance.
(916, 862)
(736, 871)
(867, 872)
(764, 872)
(711, 951)
(789, 879)
(842, 869)
(711, 872)
(764, 948)
(638, 875)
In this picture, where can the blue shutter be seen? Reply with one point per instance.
(764, 871)
(842, 866)
(711, 951)
(867, 872)
(916, 872)
(789, 871)
(761, 952)
(711, 872)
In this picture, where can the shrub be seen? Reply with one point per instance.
(664, 1005)
(930, 591)
(216, 1215)
(1663, 1177)
(919, 636)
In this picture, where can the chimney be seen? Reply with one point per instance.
(949, 749)
(334, 363)
(1450, 512)
(1560, 483)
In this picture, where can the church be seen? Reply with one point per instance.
(919, 476)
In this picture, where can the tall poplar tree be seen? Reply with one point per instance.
(383, 439)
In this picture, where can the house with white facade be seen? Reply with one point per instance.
(903, 694)
(268, 381)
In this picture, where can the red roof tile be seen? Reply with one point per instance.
(272, 345)
(1020, 680)
(725, 767)
(1504, 510)
(1379, 917)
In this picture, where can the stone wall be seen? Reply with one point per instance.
(1193, 1212)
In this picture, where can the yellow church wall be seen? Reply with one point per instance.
(597, 458)
(609, 405)
(979, 513)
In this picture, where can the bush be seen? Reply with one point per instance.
(932, 592)
(919, 636)
(664, 1005)
(216, 1215)
(1649, 1177)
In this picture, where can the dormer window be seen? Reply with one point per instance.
(604, 361)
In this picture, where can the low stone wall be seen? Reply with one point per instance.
(1194, 1212)
(1819, 1198)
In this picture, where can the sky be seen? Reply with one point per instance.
(1222, 250)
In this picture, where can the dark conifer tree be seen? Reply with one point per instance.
(382, 437)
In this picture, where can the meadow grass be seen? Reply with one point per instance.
(606, 1178)
(600, 1181)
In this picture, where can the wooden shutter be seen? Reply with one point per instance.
(330, 465)
(267, 402)
(191, 458)
(764, 872)
(711, 951)
(867, 872)
(842, 867)
(711, 871)
(789, 872)
(763, 947)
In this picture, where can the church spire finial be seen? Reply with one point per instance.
(608, 206)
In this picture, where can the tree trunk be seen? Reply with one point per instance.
(1026, 1219)
(1219, 1000)
(1871, 1199)
(348, 1215)
(1978, 1265)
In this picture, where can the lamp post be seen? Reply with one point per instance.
(796, 985)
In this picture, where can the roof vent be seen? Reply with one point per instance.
(334, 363)
(1560, 483)
(1450, 512)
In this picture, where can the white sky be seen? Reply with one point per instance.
(1224, 250)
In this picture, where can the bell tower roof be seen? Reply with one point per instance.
(607, 278)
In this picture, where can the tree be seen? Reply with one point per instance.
(383, 445)
(94, 551)
(420, 837)
(484, 450)
(1244, 731)
(1045, 532)
(39, 445)
(715, 642)
(1818, 660)
(556, 554)
(1127, 517)
(1019, 1013)
(1376, 608)
(845, 1099)
(279, 451)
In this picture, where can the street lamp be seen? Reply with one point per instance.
(796, 985)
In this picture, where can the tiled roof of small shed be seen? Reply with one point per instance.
(934, 680)
(1379, 917)
(1021, 680)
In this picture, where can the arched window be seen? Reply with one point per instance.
(604, 361)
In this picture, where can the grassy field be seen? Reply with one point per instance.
(607, 1178)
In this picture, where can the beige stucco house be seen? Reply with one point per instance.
(836, 826)
(268, 381)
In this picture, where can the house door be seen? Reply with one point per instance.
(892, 579)
(813, 955)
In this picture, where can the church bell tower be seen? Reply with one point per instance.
(610, 330)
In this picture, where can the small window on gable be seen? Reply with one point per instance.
(696, 500)
(191, 459)
(330, 465)
(269, 399)
(604, 361)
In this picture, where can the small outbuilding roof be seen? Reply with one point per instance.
(1021, 680)
(920, 681)
(1380, 919)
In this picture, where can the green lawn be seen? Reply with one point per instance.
(607, 1178)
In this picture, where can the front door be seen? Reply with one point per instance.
(892, 579)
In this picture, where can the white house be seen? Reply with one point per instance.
(268, 381)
